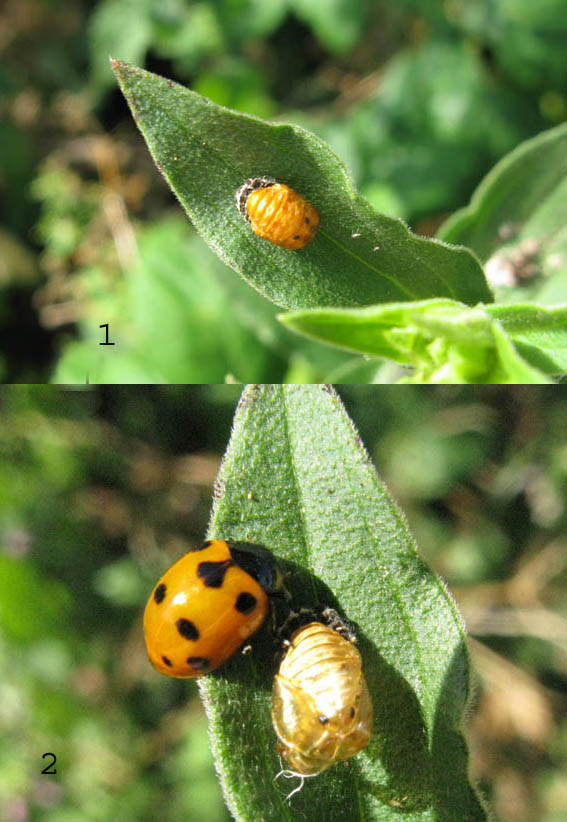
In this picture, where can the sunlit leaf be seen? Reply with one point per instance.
(358, 257)
(296, 478)
(446, 341)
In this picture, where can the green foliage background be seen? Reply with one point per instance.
(102, 488)
(418, 98)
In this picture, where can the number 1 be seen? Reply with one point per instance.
(106, 336)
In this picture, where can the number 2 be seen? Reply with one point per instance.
(47, 770)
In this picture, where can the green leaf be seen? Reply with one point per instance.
(539, 333)
(296, 478)
(512, 367)
(517, 219)
(358, 257)
(446, 341)
(379, 331)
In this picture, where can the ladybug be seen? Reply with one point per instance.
(207, 604)
(277, 213)
(321, 707)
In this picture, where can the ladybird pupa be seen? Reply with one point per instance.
(277, 213)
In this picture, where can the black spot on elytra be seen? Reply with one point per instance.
(212, 573)
(307, 220)
(296, 237)
(352, 712)
(323, 719)
(199, 663)
(187, 629)
(245, 603)
(167, 661)
(159, 593)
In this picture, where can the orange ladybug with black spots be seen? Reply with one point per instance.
(207, 605)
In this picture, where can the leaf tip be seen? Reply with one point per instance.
(118, 66)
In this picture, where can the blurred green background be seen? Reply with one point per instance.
(102, 488)
(418, 97)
